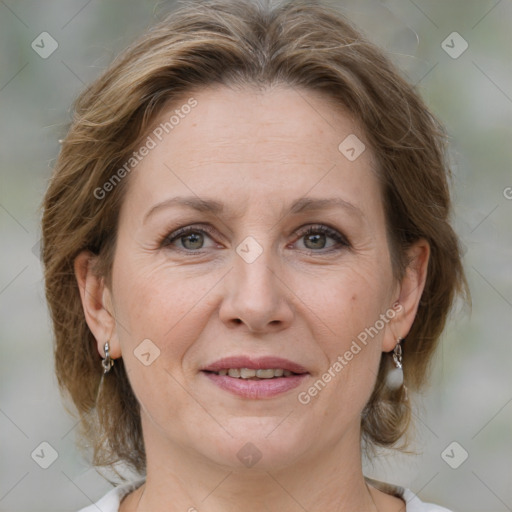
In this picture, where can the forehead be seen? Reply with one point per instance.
(245, 146)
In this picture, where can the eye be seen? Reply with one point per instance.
(315, 238)
(191, 238)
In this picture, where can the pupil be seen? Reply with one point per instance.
(315, 239)
(194, 238)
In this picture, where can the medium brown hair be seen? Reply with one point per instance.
(301, 44)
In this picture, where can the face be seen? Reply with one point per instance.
(279, 251)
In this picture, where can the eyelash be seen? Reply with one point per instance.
(326, 230)
(313, 229)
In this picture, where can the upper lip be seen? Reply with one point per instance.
(255, 363)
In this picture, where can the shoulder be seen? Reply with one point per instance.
(111, 501)
(414, 504)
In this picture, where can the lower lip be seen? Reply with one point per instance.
(256, 389)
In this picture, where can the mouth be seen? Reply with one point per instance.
(253, 374)
(252, 378)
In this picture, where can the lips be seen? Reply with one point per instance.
(260, 363)
(255, 388)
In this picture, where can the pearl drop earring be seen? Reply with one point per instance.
(395, 376)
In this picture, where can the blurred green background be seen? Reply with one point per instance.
(470, 399)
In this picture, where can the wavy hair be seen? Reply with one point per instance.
(301, 44)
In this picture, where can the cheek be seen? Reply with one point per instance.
(160, 305)
(151, 298)
(355, 302)
(159, 322)
(352, 344)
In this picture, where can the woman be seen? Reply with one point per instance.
(249, 261)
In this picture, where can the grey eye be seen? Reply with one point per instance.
(317, 241)
(192, 241)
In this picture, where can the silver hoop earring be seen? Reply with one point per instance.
(395, 376)
(107, 362)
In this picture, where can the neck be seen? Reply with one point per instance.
(178, 478)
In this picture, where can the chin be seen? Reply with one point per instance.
(265, 444)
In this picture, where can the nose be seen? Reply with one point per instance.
(256, 296)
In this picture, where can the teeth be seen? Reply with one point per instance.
(249, 373)
(265, 374)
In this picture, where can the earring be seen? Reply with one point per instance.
(395, 376)
(107, 362)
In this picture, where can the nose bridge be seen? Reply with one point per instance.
(255, 294)
(252, 269)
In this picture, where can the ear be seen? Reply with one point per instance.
(97, 304)
(408, 295)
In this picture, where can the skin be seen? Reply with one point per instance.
(304, 298)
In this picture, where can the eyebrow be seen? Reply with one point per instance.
(305, 204)
(196, 203)
(301, 205)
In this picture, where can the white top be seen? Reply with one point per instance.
(110, 502)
